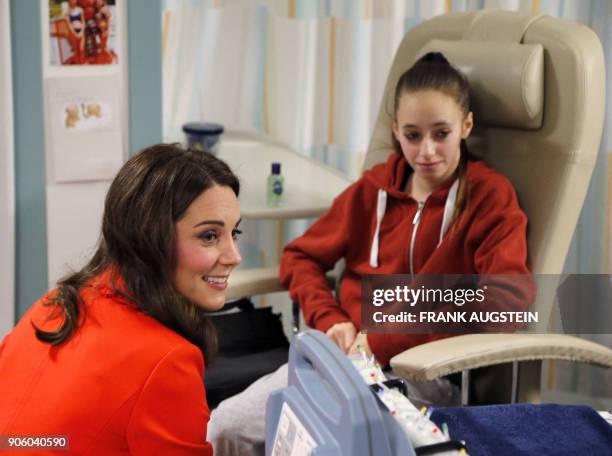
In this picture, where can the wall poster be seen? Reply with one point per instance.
(84, 127)
(83, 32)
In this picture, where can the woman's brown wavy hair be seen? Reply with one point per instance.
(151, 192)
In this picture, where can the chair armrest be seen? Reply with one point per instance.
(251, 282)
(257, 281)
(455, 354)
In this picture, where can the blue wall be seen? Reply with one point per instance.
(145, 77)
(30, 178)
(145, 122)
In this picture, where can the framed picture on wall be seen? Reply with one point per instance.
(83, 32)
(84, 128)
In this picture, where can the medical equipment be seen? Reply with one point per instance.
(329, 409)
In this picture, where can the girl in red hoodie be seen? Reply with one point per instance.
(428, 210)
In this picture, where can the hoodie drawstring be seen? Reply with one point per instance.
(381, 207)
(449, 206)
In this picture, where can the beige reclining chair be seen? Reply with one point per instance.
(538, 102)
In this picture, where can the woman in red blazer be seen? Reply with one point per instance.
(112, 360)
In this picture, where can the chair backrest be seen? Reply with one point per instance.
(538, 95)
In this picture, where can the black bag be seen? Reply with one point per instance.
(252, 343)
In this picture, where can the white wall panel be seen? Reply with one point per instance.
(7, 177)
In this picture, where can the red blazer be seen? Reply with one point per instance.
(122, 384)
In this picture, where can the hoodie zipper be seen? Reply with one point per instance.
(415, 222)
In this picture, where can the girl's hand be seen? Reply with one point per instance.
(343, 335)
(361, 341)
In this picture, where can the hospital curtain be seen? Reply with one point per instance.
(310, 73)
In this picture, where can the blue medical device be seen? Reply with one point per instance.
(328, 409)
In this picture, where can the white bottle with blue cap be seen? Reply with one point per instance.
(275, 186)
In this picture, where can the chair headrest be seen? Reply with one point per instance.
(506, 79)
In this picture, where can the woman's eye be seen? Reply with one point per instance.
(442, 134)
(209, 236)
(412, 136)
(236, 233)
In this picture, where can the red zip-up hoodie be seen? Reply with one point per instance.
(374, 223)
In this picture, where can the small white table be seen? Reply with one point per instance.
(309, 189)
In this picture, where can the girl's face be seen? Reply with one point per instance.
(205, 247)
(429, 127)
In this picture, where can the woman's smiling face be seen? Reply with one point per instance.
(205, 246)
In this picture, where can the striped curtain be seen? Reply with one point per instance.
(310, 73)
